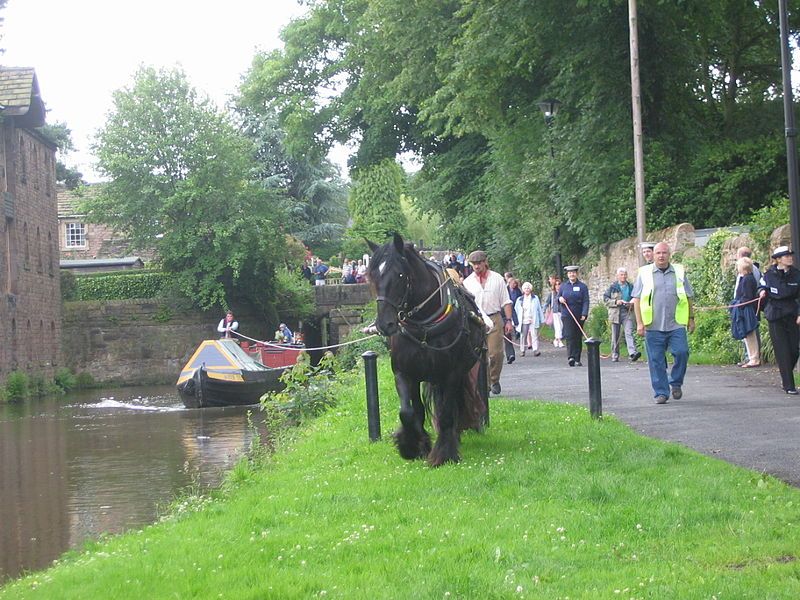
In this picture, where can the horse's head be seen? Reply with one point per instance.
(390, 275)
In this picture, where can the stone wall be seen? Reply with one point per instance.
(625, 253)
(30, 308)
(139, 341)
(149, 341)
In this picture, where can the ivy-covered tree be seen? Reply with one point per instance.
(375, 205)
(180, 182)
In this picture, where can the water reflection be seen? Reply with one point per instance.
(75, 467)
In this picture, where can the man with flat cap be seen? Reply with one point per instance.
(781, 290)
(491, 296)
(573, 295)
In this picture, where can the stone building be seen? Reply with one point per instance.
(80, 240)
(30, 312)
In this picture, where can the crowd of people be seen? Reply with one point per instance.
(657, 304)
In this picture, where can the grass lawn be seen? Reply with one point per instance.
(548, 503)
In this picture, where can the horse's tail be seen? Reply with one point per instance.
(429, 393)
(475, 412)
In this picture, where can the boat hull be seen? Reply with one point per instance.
(203, 391)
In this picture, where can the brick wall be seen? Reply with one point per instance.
(30, 309)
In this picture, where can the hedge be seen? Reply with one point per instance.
(114, 286)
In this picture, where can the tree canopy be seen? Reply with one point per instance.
(458, 81)
(61, 135)
(180, 181)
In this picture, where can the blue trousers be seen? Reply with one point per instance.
(658, 342)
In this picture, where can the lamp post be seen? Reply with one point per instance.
(789, 124)
(549, 109)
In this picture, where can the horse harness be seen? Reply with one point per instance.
(443, 320)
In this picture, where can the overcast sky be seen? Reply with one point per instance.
(83, 50)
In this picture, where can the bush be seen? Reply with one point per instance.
(84, 381)
(349, 357)
(764, 222)
(597, 325)
(712, 335)
(308, 392)
(69, 288)
(294, 298)
(65, 380)
(17, 386)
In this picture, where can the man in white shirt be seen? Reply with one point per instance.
(491, 296)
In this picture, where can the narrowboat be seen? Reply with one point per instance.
(221, 373)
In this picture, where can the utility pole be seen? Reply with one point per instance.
(790, 130)
(636, 102)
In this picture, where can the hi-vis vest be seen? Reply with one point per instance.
(646, 300)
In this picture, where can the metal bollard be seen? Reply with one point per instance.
(595, 391)
(373, 409)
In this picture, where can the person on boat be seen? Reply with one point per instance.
(284, 335)
(228, 325)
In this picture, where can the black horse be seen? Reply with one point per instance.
(436, 336)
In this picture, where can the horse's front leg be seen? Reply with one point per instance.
(447, 409)
(411, 438)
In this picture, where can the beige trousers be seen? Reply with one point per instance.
(495, 343)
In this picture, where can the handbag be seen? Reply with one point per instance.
(548, 318)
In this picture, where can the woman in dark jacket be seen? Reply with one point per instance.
(781, 290)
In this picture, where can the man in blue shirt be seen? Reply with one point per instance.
(320, 272)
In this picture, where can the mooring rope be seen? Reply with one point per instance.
(304, 349)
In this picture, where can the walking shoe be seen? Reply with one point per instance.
(495, 388)
(522, 353)
(537, 353)
(555, 343)
(661, 399)
(511, 359)
(636, 356)
(579, 364)
(571, 362)
(677, 393)
(615, 359)
(792, 392)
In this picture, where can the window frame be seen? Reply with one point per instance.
(73, 239)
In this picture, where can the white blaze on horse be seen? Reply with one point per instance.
(436, 337)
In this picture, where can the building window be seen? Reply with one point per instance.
(76, 235)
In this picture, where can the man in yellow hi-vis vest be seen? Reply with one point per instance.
(662, 300)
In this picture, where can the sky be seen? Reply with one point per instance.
(84, 50)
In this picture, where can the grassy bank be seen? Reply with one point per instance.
(546, 504)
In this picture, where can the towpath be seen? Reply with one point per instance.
(738, 415)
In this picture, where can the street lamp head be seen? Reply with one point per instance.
(549, 109)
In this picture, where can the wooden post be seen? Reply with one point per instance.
(636, 102)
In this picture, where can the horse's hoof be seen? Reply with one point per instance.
(437, 460)
(412, 447)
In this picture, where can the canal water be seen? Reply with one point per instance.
(105, 461)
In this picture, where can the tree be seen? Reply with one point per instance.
(180, 181)
(375, 205)
(316, 195)
(61, 136)
(458, 83)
